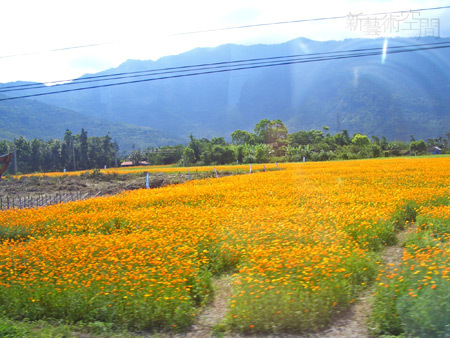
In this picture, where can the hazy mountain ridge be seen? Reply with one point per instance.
(33, 119)
(406, 95)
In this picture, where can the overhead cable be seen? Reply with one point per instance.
(305, 20)
(247, 64)
(203, 66)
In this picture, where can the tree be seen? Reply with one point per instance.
(94, 152)
(36, 158)
(361, 141)
(83, 158)
(375, 140)
(222, 154)
(346, 136)
(293, 154)
(271, 132)
(136, 156)
(66, 150)
(107, 154)
(376, 150)
(164, 155)
(220, 141)
(303, 138)
(258, 153)
(384, 143)
(52, 156)
(195, 145)
(238, 152)
(239, 137)
(418, 146)
(23, 153)
(263, 153)
(188, 156)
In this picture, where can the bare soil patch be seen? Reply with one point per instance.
(89, 184)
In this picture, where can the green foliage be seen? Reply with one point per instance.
(9, 330)
(238, 153)
(418, 146)
(16, 233)
(376, 150)
(414, 300)
(428, 315)
(188, 156)
(287, 309)
(136, 156)
(270, 139)
(436, 226)
(55, 155)
(375, 237)
(259, 153)
(164, 155)
(411, 306)
(239, 137)
(58, 329)
(306, 137)
(293, 154)
(360, 141)
(384, 318)
(272, 133)
(406, 214)
(32, 119)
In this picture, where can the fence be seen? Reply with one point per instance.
(11, 202)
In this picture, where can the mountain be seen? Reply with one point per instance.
(33, 119)
(407, 94)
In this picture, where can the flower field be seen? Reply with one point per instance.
(301, 244)
(161, 169)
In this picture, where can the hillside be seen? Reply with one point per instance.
(405, 95)
(33, 119)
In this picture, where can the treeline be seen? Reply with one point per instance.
(270, 141)
(74, 152)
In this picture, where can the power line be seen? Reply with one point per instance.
(56, 50)
(244, 66)
(303, 20)
(204, 66)
(232, 28)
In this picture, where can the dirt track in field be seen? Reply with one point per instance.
(352, 323)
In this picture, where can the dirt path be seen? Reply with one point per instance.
(351, 323)
(216, 311)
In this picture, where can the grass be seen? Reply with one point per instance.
(56, 329)
(16, 233)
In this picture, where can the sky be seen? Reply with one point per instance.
(37, 37)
